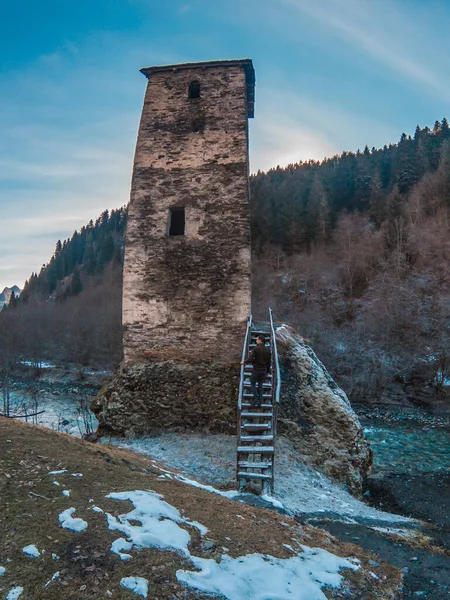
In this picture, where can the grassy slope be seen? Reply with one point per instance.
(88, 568)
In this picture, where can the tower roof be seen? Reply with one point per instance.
(246, 63)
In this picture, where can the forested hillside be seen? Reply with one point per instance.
(353, 250)
(71, 311)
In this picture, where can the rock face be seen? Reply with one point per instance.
(316, 414)
(151, 397)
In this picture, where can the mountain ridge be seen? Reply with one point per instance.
(5, 296)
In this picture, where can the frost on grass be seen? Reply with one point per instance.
(15, 593)
(137, 585)
(260, 577)
(32, 551)
(73, 524)
(299, 488)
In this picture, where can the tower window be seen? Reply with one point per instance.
(176, 221)
(194, 89)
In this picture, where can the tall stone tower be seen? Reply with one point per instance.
(187, 272)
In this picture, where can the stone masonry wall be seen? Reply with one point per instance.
(188, 297)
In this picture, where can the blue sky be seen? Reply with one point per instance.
(332, 75)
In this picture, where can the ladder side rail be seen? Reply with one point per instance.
(244, 356)
(276, 388)
(277, 385)
(241, 392)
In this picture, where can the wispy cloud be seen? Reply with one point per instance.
(384, 33)
(291, 128)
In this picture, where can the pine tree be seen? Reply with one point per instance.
(75, 284)
(90, 261)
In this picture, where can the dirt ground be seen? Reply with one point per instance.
(30, 503)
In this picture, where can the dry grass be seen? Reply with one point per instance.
(30, 504)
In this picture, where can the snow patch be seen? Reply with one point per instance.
(55, 576)
(121, 544)
(261, 577)
(276, 503)
(2, 571)
(209, 488)
(66, 493)
(137, 585)
(32, 551)
(14, 593)
(97, 509)
(68, 522)
(77, 474)
(57, 472)
(159, 522)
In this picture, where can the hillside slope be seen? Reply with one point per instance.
(49, 551)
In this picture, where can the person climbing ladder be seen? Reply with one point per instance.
(260, 357)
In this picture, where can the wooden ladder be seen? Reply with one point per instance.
(256, 431)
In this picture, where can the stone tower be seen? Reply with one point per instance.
(187, 257)
(187, 272)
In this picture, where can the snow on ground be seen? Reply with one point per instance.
(2, 571)
(137, 585)
(73, 524)
(15, 593)
(32, 551)
(159, 523)
(61, 413)
(212, 460)
(66, 493)
(55, 576)
(252, 576)
(38, 365)
(260, 577)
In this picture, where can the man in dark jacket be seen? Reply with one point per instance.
(260, 357)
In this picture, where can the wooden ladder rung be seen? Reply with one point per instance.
(256, 438)
(265, 385)
(245, 464)
(262, 415)
(243, 475)
(255, 449)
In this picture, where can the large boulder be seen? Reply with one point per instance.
(317, 416)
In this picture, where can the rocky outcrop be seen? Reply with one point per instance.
(317, 416)
(169, 395)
